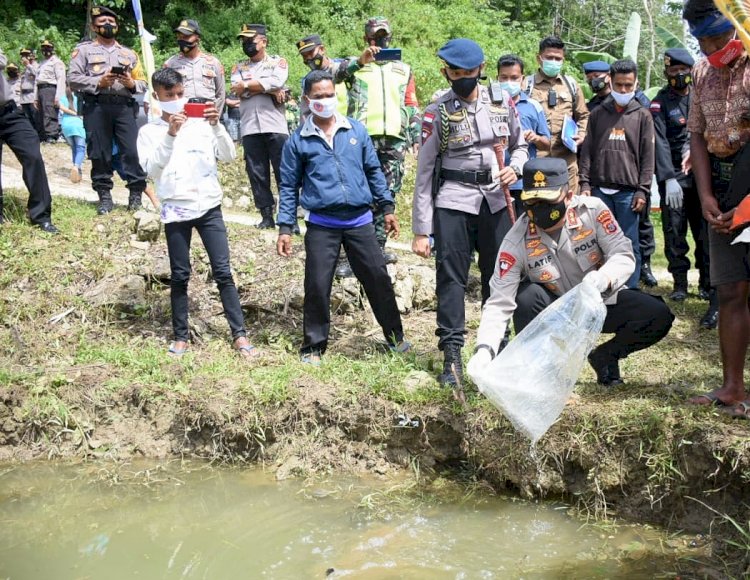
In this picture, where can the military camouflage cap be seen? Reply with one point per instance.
(377, 23)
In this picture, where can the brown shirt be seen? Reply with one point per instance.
(720, 97)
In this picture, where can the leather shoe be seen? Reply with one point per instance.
(710, 319)
(679, 295)
(48, 227)
(647, 276)
(343, 269)
(606, 366)
(704, 293)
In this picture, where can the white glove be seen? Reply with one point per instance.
(598, 280)
(674, 194)
(479, 362)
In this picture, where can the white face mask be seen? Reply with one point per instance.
(622, 99)
(324, 108)
(173, 107)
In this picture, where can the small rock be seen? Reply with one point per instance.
(124, 294)
(147, 226)
(100, 228)
(425, 296)
(416, 380)
(140, 245)
(244, 202)
(227, 202)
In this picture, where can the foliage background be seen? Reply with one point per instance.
(420, 27)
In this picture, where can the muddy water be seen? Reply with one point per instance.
(189, 520)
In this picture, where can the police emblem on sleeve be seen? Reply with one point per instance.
(505, 262)
(607, 221)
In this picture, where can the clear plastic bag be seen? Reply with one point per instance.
(532, 379)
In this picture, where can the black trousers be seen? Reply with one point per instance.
(18, 134)
(322, 249)
(262, 150)
(457, 236)
(49, 112)
(103, 123)
(646, 239)
(675, 224)
(213, 233)
(638, 319)
(33, 116)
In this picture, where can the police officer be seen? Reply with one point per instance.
(18, 134)
(680, 204)
(28, 88)
(560, 241)
(109, 107)
(463, 205)
(259, 82)
(202, 73)
(50, 88)
(14, 82)
(597, 77)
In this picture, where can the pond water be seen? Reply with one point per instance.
(193, 520)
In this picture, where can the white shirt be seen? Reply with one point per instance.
(184, 167)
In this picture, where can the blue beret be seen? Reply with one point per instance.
(461, 53)
(596, 66)
(674, 56)
(712, 25)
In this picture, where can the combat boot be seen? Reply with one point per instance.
(710, 319)
(680, 292)
(134, 201)
(647, 276)
(453, 367)
(389, 257)
(606, 365)
(105, 204)
(343, 269)
(266, 223)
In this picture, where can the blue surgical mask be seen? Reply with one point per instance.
(551, 68)
(512, 87)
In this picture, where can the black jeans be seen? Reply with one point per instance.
(17, 133)
(322, 249)
(646, 239)
(638, 319)
(457, 235)
(261, 150)
(213, 232)
(48, 110)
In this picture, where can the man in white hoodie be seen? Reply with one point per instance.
(179, 151)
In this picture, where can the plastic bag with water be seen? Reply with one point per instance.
(533, 378)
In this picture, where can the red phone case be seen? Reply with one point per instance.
(195, 109)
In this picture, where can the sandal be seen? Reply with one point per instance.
(708, 400)
(177, 352)
(739, 411)
(247, 351)
(311, 358)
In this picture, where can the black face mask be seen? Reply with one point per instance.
(107, 30)
(382, 41)
(12, 75)
(545, 214)
(680, 81)
(463, 87)
(597, 84)
(186, 46)
(250, 48)
(46, 53)
(315, 63)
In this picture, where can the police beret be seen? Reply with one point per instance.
(47, 44)
(102, 11)
(544, 178)
(309, 42)
(461, 53)
(596, 66)
(377, 23)
(188, 27)
(675, 56)
(251, 30)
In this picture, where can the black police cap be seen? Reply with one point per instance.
(675, 56)
(102, 11)
(544, 178)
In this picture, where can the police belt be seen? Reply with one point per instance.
(109, 99)
(45, 85)
(483, 177)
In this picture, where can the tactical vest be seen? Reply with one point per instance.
(376, 98)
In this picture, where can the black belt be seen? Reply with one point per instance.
(109, 99)
(483, 177)
(45, 85)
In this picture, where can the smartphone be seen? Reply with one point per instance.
(388, 54)
(195, 110)
(552, 98)
(117, 70)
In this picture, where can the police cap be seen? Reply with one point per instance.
(596, 66)
(309, 42)
(11, 67)
(46, 44)
(377, 23)
(26, 52)
(188, 27)
(102, 11)
(461, 53)
(252, 30)
(675, 56)
(544, 178)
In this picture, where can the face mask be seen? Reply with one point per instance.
(546, 214)
(598, 84)
(315, 63)
(12, 75)
(382, 41)
(107, 30)
(726, 55)
(324, 108)
(551, 68)
(463, 87)
(186, 46)
(513, 88)
(250, 49)
(47, 53)
(173, 107)
(622, 99)
(680, 81)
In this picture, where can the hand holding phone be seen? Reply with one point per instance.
(388, 54)
(117, 70)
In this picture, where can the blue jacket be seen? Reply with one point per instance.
(341, 182)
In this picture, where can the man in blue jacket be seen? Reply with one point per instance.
(331, 161)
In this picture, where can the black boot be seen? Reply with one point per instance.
(343, 269)
(134, 201)
(453, 367)
(606, 365)
(647, 276)
(680, 292)
(710, 319)
(389, 257)
(105, 202)
(267, 222)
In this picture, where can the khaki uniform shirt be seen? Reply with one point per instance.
(28, 83)
(473, 130)
(589, 240)
(90, 60)
(260, 113)
(203, 76)
(52, 72)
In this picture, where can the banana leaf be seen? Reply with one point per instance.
(584, 56)
(668, 39)
(632, 37)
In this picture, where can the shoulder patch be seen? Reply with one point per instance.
(505, 263)
(607, 221)
(655, 107)
(282, 63)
